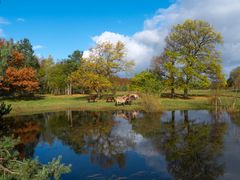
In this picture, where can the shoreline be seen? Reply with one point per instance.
(199, 100)
(50, 103)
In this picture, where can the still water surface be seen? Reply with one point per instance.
(133, 145)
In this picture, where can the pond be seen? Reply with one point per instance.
(133, 144)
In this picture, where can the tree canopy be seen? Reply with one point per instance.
(97, 71)
(191, 56)
(110, 58)
(18, 65)
(146, 82)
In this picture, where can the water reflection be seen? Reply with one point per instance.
(192, 150)
(170, 145)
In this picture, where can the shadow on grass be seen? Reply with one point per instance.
(81, 98)
(23, 98)
(86, 96)
(181, 96)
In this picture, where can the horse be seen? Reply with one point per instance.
(121, 100)
(133, 96)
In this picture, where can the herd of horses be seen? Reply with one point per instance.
(120, 100)
(127, 99)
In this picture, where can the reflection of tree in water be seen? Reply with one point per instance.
(192, 150)
(89, 133)
(27, 129)
(149, 125)
(235, 118)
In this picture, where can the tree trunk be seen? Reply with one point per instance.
(185, 95)
(172, 93)
(98, 92)
(68, 90)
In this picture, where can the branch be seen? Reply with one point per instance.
(2, 168)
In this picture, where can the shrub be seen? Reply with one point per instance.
(150, 103)
(4, 109)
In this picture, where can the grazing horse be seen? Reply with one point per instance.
(133, 96)
(121, 100)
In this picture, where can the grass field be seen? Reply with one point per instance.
(199, 99)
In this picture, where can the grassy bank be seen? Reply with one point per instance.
(47, 103)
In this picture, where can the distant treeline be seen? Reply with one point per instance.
(23, 73)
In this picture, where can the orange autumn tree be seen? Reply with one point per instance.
(19, 79)
(22, 81)
(16, 59)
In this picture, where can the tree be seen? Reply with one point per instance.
(234, 78)
(16, 59)
(57, 79)
(165, 67)
(146, 82)
(22, 81)
(87, 78)
(24, 46)
(70, 65)
(76, 56)
(120, 83)
(6, 48)
(17, 64)
(44, 75)
(98, 70)
(110, 58)
(193, 44)
(54, 77)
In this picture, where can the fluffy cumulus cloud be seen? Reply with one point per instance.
(222, 14)
(136, 47)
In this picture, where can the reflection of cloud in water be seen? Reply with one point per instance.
(123, 130)
(143, 146)
(196, 116)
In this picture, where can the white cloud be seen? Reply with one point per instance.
(222, 14)
(4, 21)
(20, 20)
(136, 49)
(86, 54)
(36, 47)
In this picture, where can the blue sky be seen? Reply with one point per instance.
(60, 27)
